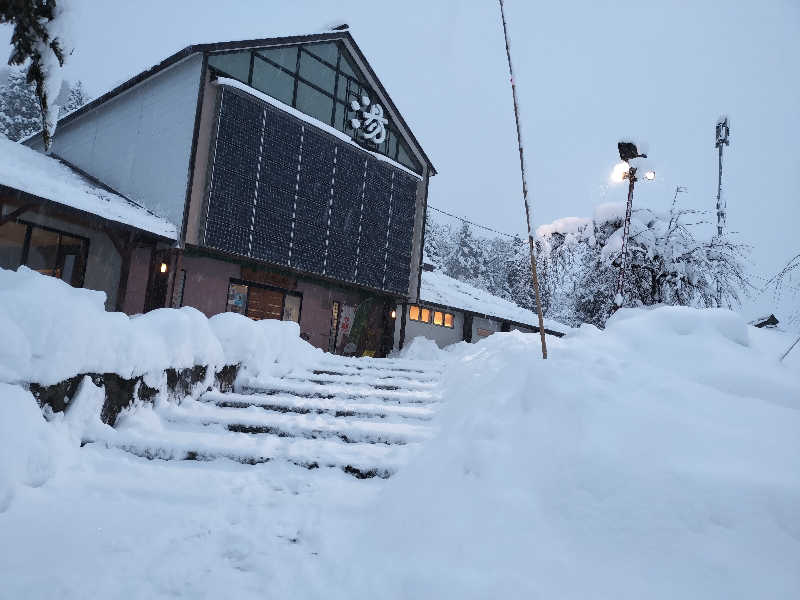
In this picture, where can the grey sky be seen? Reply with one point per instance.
(588, 73)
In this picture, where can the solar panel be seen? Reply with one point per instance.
(287, 193)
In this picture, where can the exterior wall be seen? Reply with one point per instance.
(315, 312)
(139, 143)
(206, 287)
(484, 323)
(205, 136)
(443, 336)
(103, 262)
(138, 275)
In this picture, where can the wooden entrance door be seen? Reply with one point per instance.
(264, 304)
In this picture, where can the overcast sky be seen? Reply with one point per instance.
(588, 73)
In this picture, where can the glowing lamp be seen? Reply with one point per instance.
(163, 267)
(650, 175)
(394, 314)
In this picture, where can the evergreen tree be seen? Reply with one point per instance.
(19, 109)
(76, 97)
(37, 43)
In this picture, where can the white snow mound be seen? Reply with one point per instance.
(659, 458)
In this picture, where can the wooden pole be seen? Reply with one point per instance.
(524, 185)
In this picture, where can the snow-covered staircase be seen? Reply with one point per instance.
(363, 416)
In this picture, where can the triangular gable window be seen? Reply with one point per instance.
(322, 81)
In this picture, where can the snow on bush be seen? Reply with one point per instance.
(54, 331)
(659, 458)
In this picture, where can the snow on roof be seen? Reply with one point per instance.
(438, 288)
(29, 171)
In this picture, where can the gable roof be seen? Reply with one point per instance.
(254, 43)
(438, 288)
(47, 178)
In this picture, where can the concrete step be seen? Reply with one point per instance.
(311, 426)
(362, 460)
(278, 385)
(287, 403)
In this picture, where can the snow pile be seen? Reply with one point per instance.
(659, 458)
(54, 331)
(420, 348)
(25, 169)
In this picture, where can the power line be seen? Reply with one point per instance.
(444, 212)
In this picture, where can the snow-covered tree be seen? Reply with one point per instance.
(20, 115)
(466, 260)
(76, 97)
(38, 42)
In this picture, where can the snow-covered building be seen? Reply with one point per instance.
(295, 188)
(60, 222)
(450, 311)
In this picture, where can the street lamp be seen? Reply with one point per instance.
(622, 171)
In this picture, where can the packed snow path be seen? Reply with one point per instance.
(363, 416)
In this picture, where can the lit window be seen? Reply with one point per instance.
(425, 317)
(448, 320)
(438, 318)
(413, 313)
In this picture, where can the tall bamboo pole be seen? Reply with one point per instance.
(524, 185)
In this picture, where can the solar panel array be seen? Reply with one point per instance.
(290, 194)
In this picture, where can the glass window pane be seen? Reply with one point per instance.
(285, 57)
(327, 51)
(438, 318)
(391, 144)
(448, 320)
(237, 298)
(291, 308)
(235, 64)
(341, 90)
(43, 251)
(314, 103)
(273, 81)
(413, 313)
(339, 117)
(70, 263)
(404, 157)
(346, 67)
(425, 315)
(316, 72)
(12, 237)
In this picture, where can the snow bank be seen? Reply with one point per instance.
(54, 331)
(29, 446)
(420, 348)
(659, 458)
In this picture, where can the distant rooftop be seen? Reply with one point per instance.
(438, 288)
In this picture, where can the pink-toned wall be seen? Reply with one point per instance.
(137, 281)
(207, 281)
(315, 313)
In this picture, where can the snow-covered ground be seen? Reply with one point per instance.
(659, 458)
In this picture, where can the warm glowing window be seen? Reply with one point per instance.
(425, 316)
(448, 320)
(438, 318)
(413, 313)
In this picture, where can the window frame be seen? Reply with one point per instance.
(432, 312)
(249, 284)
(84, 256)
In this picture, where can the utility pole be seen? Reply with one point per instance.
(627, 152)
(631, 177)
(723, 133)
(524, 185)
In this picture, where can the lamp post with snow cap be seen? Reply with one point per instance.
(622, 171)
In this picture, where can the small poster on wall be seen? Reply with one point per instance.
(345, 325)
